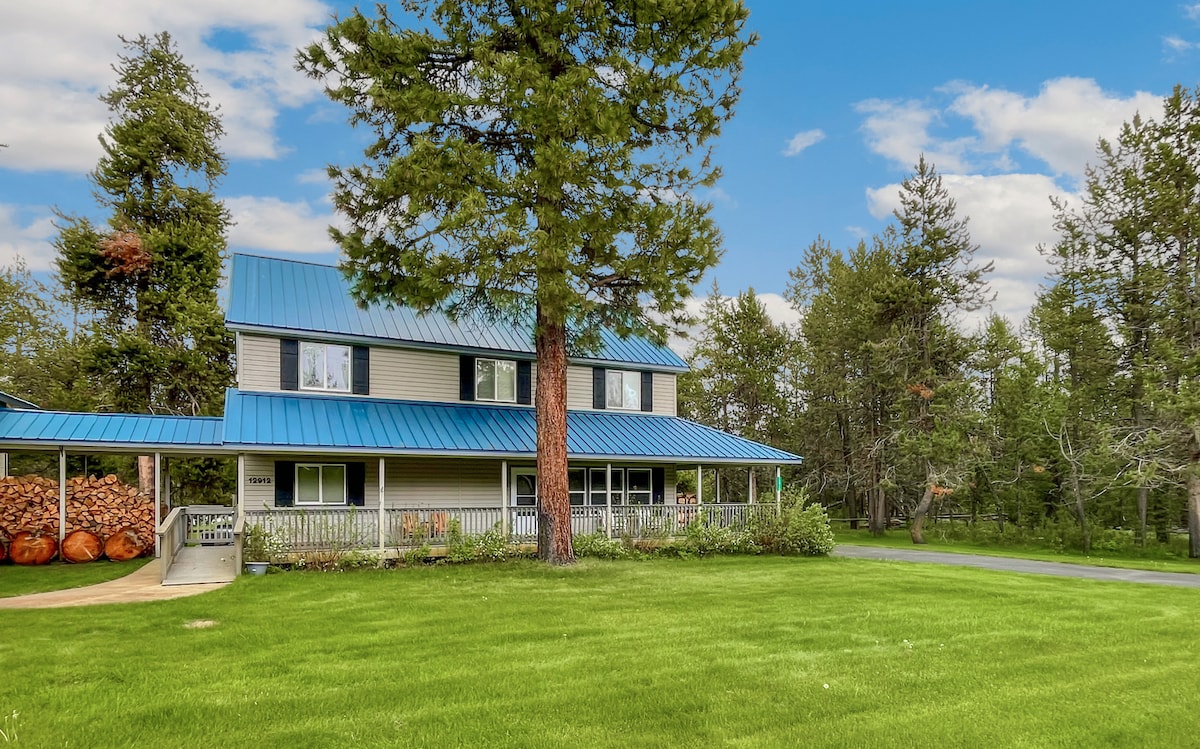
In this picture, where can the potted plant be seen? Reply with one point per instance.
(257, 549)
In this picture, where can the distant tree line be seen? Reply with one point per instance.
(1086, 418)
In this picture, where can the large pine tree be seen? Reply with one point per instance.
(149, 277)
(535, 160)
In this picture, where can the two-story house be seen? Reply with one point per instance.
(373, 428)
(380, 408)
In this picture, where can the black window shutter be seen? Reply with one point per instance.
(466, 378)
(289, 364)
(525, 382)
(658, 479)
(598, 387)
(356, 484)
(360, 371)
(285, 482)
(647, 391)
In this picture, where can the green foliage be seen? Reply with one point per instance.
(599, 546)
(260, 544)
(149, 279)
(489, 546)
(800, 528)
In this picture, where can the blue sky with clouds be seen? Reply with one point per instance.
(839, 99)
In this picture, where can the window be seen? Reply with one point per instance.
(598, 495)
(320, 484)
(324, 366)
(577, 485)
(623, 389)
(496, 380)
(639, 486)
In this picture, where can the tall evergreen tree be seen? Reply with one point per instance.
(535, 159)
(937, 279)
(149, 277)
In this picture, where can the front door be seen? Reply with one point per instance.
(524, 501)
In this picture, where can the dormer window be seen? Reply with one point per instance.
(623, 390)
(324, 366)
(496, 380)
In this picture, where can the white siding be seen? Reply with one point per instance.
(412, 482)
(258, 365)
(412, 374)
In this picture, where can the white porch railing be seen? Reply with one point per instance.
(356, 528)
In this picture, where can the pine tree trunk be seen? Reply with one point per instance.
(917, 531)
(145, 466)
(1081, 511)
(1142, 505)
(876, 520)
(1193, 511)
(554, 505)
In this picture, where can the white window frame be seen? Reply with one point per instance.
(648, 492)
(320, 486)
(625, 375)
(496, 380)
(325, 386)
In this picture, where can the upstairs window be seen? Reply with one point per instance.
(623, 390)
(496, 380)
(324, 366)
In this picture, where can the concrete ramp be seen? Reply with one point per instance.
(196, 565)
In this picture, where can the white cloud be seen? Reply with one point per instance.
(899, 130)
(1059, 126)
(803, 140)
(27, 239)
(313, 177)
(857, 232)
(1010, 215)
(1192, 11)
(1176, 44)
(265, 223)
(58, 58)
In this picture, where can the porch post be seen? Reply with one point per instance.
(62, 496)
(157, 494)
(167, 487)
(778, 489)
(3, 465)
(241, 484)
(717, 474)
(608, 499)
(504, 499)
(750, 484)
(382, 505)
(699, 485)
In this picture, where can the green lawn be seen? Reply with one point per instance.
(900, 539)
(737, 651)
(16, 580)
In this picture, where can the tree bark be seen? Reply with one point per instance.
(917, 531)
(145, 466)
(876, 520)
(1142, 505)
(554, 505)
(1193, 512)
(1081, 510)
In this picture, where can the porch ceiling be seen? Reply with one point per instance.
(305, 423)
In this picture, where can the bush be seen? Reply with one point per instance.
(489, 546)
(799, 529)
(599, 546)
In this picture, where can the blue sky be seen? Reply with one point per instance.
(839, 99)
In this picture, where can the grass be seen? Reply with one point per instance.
(900, 539)
(735, 651)
(16, 580)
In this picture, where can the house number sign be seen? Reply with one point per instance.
(259, 480)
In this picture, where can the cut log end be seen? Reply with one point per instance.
(124, 545)
(32, 547)
(82, 546)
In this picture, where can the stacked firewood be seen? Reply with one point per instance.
(101, 512)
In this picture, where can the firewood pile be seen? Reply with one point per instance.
(101, 509)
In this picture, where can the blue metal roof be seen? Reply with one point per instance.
(309, 423)
(286, 295)
(26, 428)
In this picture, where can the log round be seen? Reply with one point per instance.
(124, 545)
(3, 546)
(32, 548)
(82, 546)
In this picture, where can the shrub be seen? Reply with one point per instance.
(800, 528)
(599, 546)
(489, 546)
